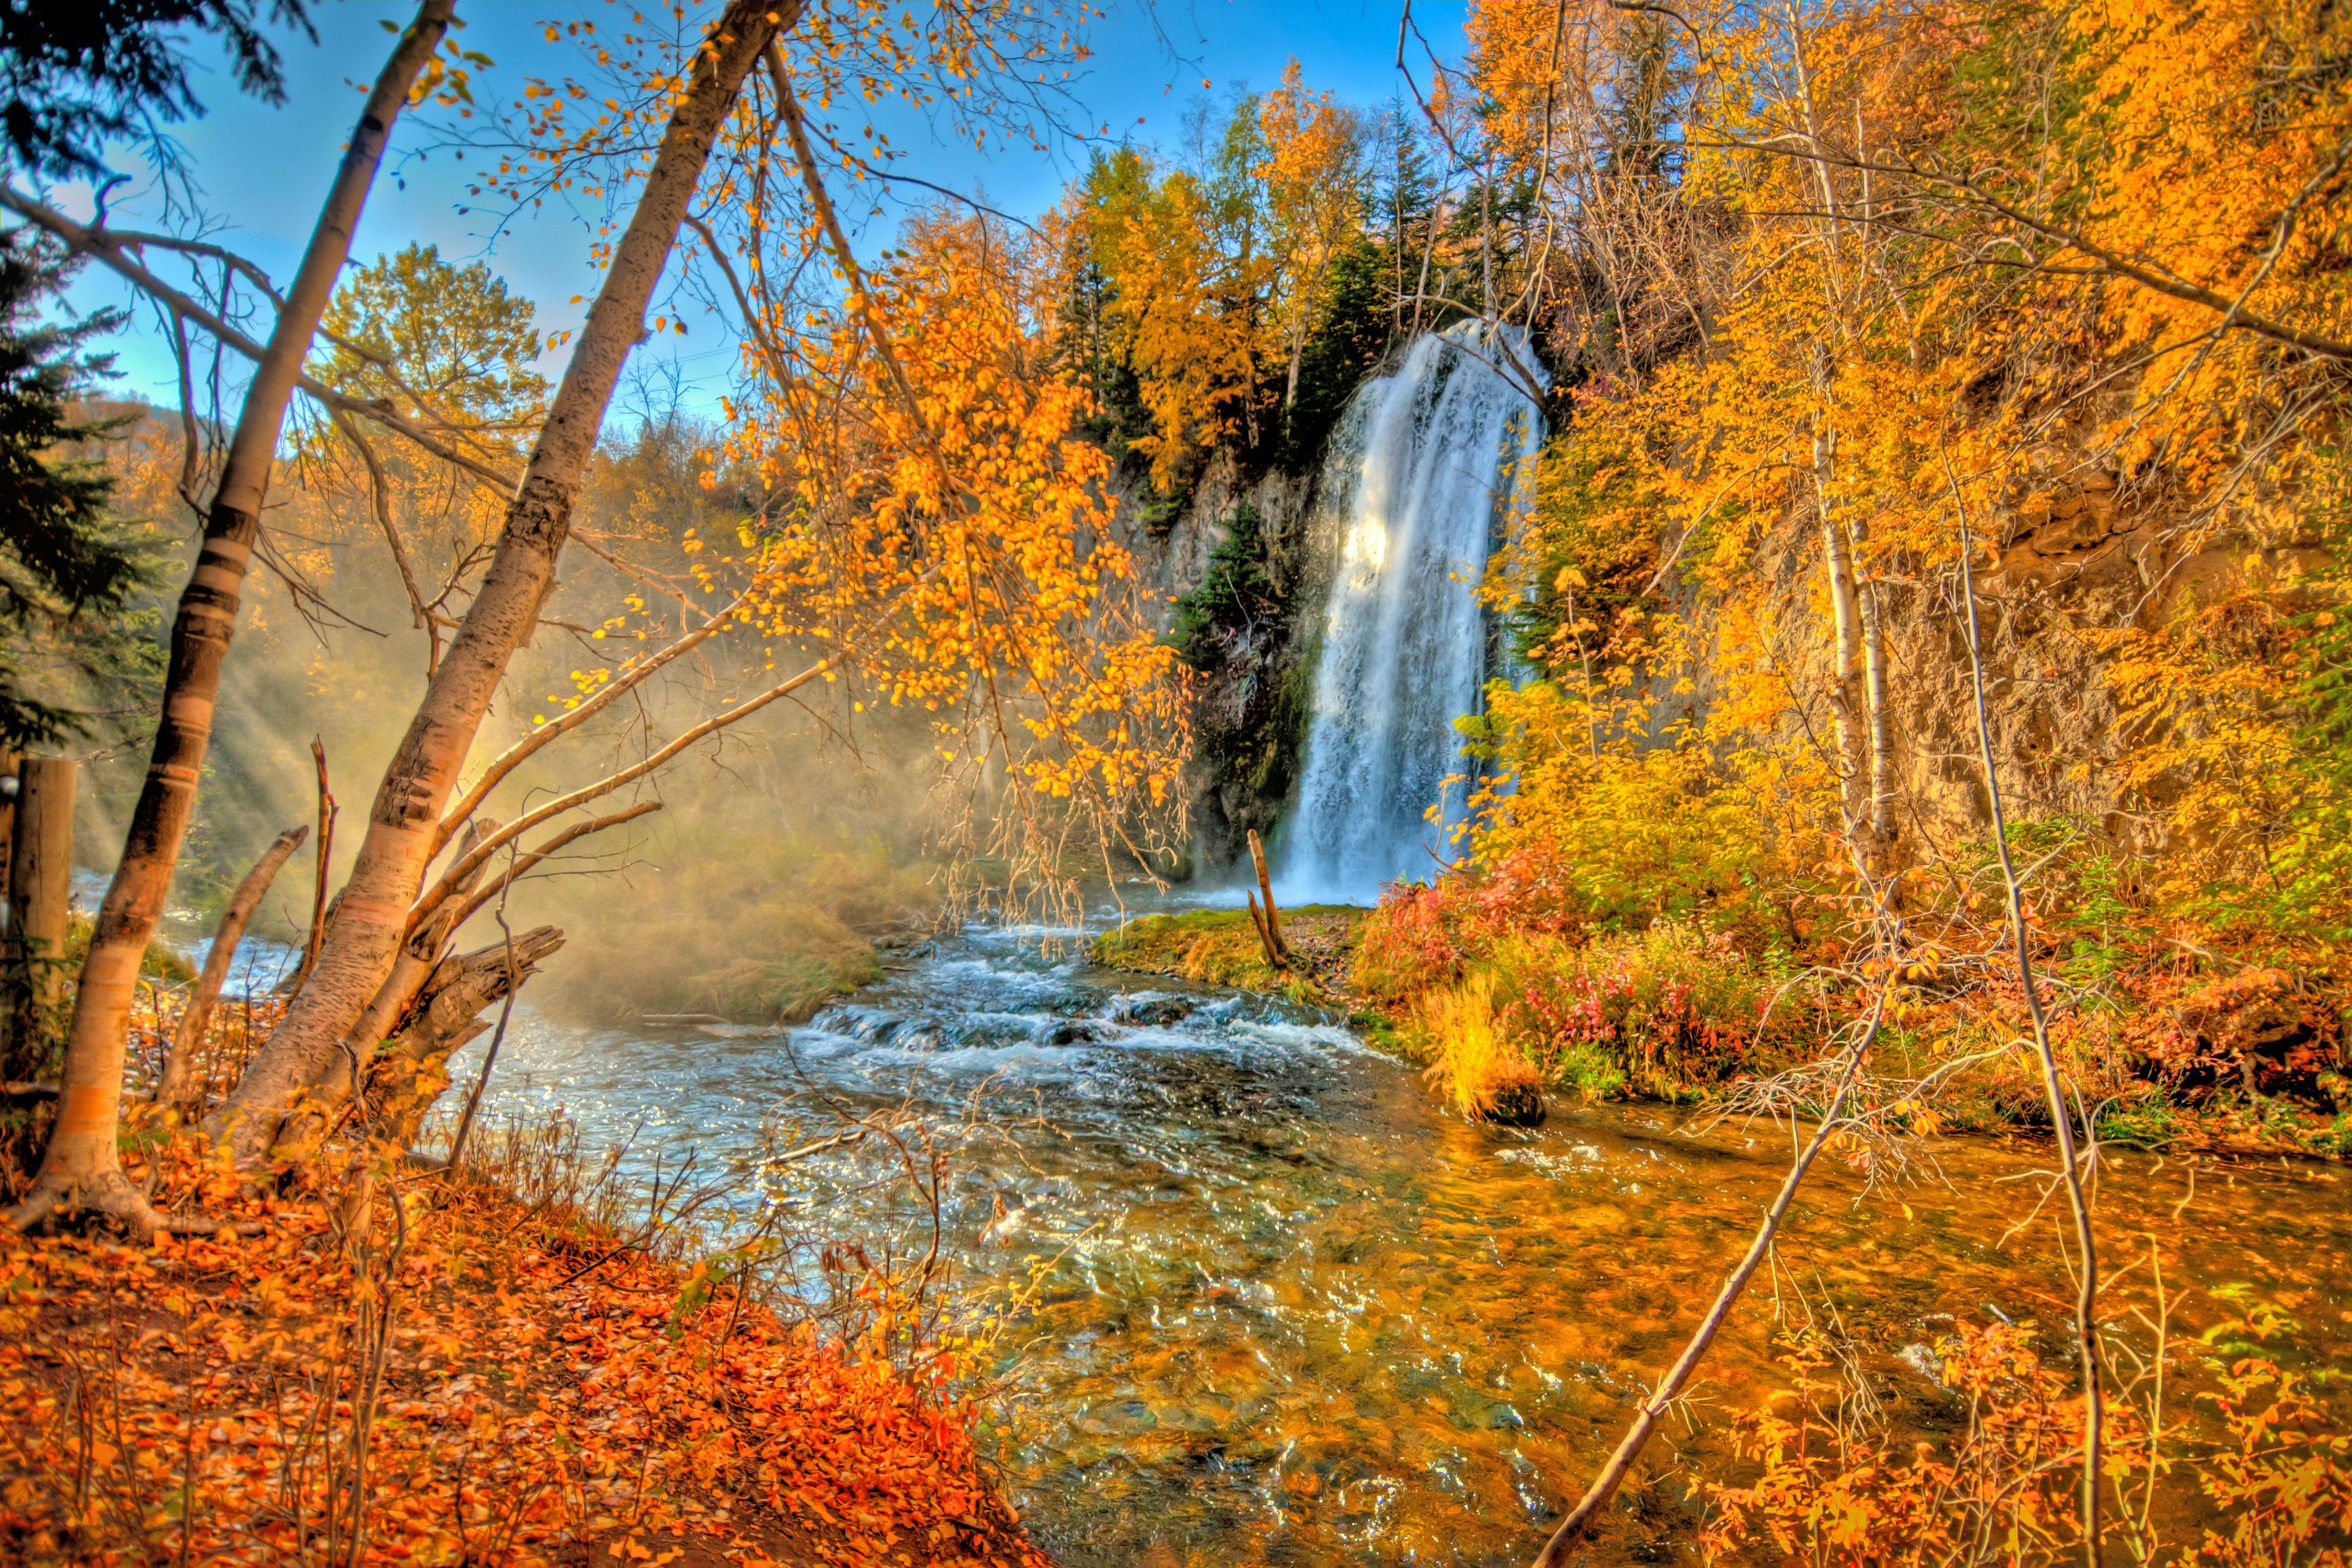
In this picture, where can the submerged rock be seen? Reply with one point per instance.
(1154, 1012)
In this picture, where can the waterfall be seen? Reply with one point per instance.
(1418, 475)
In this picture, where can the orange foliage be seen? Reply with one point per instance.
(1831, 1490)
(545, 1391)
(1826, 1498)
(1908, 302)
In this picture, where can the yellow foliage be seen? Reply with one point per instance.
(1938, 270)
(1185, 313)
(1470, 1061)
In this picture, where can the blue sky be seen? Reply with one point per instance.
(261, 171)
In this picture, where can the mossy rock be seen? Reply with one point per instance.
(1513, 1105)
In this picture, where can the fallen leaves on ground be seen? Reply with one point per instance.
(540, 1397)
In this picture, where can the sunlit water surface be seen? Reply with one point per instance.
(1290, 1313)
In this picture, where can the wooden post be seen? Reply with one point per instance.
(7, 827)
(1266, 891)
(40, 877)
(326, 848)
(1264, 940)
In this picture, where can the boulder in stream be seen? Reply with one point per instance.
(1514, 1104)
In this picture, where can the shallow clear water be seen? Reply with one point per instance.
(1292, 1314)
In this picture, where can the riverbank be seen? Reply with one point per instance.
(2249, 1061)
(1222, 947)
(456, 1370)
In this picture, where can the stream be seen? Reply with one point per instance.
(1287, 1311)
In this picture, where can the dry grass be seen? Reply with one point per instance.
(1474, 1068)
(1219, 947)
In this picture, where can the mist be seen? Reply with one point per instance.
(783, 846)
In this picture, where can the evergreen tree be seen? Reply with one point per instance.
(1351, 334)
(1085, 350)
(74, 73)
(1403, 206)
(75, 642)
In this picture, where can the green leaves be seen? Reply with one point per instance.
(78, 635)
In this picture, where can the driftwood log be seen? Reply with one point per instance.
(412, 1067)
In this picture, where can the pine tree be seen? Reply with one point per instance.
(75, 73)
(76, 643)
(1351, 334)
(1405, 203)
(1086, 351)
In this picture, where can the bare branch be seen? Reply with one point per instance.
(380, 501)
(1572, 1530)
(522, 868)
(104, 248)
(514, 756)
(466, 865)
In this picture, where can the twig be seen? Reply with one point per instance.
(2061, 1115)
(517, 870)
(441, 891)
(1581, 1520)
(498, 1036)
(319, 881)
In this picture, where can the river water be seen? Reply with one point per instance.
(1285, 1311)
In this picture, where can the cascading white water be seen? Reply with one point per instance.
(1420, 473)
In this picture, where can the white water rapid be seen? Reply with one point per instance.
(1421, 470)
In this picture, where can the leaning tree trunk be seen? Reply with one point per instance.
(362, 940)
(420, 960)
(178, 1089)
(80, 1165)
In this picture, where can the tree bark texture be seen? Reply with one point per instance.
(1281, 949)
(420, 958)
(82, 1154)
(362, 940)
(1837, 563)
(8, 760)
(320, 869)
(1882, 728)
(178, 1089)
(41, 881)
(1858, 695)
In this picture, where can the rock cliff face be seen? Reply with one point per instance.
(2075, 567)
(2062, 573)
(1241, 571)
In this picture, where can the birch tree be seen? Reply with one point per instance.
(81, 1167)
(364, 942)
